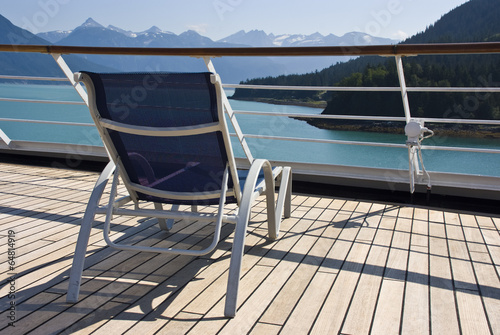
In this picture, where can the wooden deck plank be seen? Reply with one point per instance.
(469, 304)
(496, 222)
(416, 303)
(265, 329)
(489, 284)
(472, 317)
(463, 274)
(172, 307)
(387, 319)
(313, 297)
(491, 238)
(251, 310)
(213, 322)
(63, 247)
(216, 290)
(484, 270)
(173, 304)
(362, 307)
(94, 320)
(43, 228)
(444, 317)
(285, 301)
(31, 208)
(340, 264)
(43, 276)
(212, 325)
(39, 286)
(335, 308)
(312, 300)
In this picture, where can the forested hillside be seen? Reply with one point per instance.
(457, 71)
(474, 21)
(330, 76)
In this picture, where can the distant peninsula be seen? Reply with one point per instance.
(289, 102)
(440, 129)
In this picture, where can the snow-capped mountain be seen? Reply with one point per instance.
(90, 23)
(127, 33)
(34, 64)
(91, 33)
(258, 38)
(231, 69)
(54, 36)
(154, 30)
(254, 38)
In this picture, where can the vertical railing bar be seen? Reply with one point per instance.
(230, 112)
(5, 138)
(404, 90)
(413, 164)
(69, 74)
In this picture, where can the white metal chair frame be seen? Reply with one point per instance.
(276, 208)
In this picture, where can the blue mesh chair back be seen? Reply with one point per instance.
(193, 163)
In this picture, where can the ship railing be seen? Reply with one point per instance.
(451, 183)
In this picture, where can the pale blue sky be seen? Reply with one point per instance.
(220, 18)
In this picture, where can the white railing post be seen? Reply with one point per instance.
(69, 74)
(404, 90)
(413, 166)
(230, 113)
(6, 139)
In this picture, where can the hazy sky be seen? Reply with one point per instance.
(220, 18)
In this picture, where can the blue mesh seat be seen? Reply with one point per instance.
(189, 163)
(168, 141)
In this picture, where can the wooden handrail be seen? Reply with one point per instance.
(381, 50)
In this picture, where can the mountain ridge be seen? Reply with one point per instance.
(253, 38)
(232, 69)
(29, 64)
(259, 38)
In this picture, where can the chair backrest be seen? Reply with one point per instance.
(167, 134)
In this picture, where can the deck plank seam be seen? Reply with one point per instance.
(344, 224)
(390, 242)
(362, 270)
(180, 289)
(283, 255)
(137, 280)
(478, 285)
(296, 269)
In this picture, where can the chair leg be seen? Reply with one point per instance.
(75, 276)
(241, 229)
(161, 222)
(233, 281)
(283, 203)
(285, 186)
(165, 224)
(287, 210)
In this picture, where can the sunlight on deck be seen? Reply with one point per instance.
(339, 266)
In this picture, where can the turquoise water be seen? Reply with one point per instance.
(444, 161)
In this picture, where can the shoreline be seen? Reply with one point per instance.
(314, 104)
(440, 129)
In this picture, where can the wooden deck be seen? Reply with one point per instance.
(339, 266)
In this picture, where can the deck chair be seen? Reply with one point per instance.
(168, 141)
